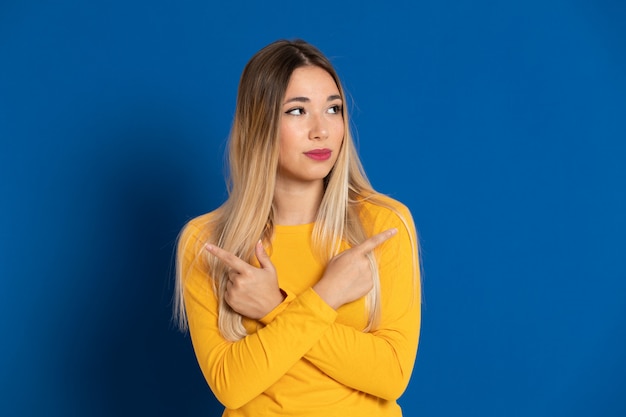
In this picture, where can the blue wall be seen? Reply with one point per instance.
(502, 125)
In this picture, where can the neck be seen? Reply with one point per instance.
(297, 203)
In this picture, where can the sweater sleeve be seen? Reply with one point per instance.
(380, 362)
(239, 371)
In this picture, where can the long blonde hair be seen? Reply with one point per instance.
(247, 214)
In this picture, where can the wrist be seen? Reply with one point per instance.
(327, 295)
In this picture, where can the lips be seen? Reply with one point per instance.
(319, 154)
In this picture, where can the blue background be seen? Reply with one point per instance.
(502, 125)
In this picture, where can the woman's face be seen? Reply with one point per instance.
(311, 127)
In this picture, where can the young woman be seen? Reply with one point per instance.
(302, 291)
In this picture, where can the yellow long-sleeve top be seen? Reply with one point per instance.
(304, 358)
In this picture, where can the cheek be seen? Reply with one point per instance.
(339, 132)
(338, 136)
(289, 131)
(334, 123)
(284, 135)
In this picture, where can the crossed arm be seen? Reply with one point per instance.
(305, 327)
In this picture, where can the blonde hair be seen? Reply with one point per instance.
(247, 214)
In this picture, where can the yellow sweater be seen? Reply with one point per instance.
(304, 358)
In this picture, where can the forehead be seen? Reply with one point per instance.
(310, 81)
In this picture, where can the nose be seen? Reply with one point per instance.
(318, 129)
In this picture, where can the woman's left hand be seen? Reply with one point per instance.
(250, 291)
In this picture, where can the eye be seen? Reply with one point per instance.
(298, 111)
(336, 109)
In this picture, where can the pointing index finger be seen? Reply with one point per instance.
(228, 258)
(376, 240)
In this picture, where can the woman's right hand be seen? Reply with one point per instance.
(348, 275)
(250, 291)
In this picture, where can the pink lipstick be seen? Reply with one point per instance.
(319, 154)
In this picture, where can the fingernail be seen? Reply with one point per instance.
(209, 247)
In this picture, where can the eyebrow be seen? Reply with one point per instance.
(306, 99)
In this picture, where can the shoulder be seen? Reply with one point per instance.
(384, 210)
(379, 212)
(201, 222)
(198, 230)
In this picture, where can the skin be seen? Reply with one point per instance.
(311, 120)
